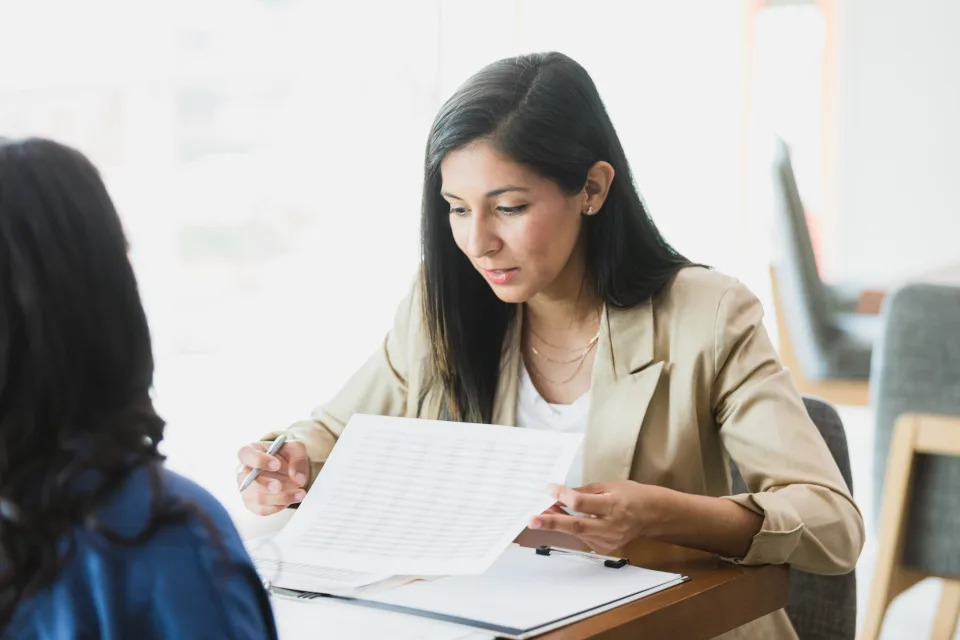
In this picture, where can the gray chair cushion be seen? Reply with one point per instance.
(821, 607)
(917, 370)
(851, 348)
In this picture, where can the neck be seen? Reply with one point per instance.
(560, 313)
(570, 302)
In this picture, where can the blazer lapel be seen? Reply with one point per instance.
(625, 377)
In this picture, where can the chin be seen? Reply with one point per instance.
(511, 295)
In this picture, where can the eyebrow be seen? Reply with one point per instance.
(490, 194)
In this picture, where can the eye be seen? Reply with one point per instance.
(458, 211)
(512, 211)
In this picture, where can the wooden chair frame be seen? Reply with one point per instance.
(836, 392)
(913, 434)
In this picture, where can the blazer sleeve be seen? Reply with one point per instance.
(809, 517)
(379, 387)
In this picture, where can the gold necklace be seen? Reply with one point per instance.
(549, 359)
(579, 366)
(553, 346)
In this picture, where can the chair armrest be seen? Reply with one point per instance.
(870, 301)
(930, 433)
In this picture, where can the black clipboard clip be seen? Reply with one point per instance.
(613, 563)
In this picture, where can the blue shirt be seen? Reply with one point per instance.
(180, 583)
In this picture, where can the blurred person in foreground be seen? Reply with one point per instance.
(97, 538)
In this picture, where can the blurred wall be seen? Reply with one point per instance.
(898, 126)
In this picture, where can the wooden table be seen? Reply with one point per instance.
(718, 597)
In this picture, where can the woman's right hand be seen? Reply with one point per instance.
(282, 478)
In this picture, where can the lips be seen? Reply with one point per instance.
(500, 276)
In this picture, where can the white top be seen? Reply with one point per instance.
(533, 412)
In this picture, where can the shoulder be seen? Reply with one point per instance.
(128, 510)
(706, 298)
(196, 534)
(700, 313)
(205, 537)
(199, 567)
(700, 288)
(192, 572)
(189, 492)
(193, 535)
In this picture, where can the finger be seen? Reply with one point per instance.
(284, 498)
(263, 510)
(597, 504)
(254, 456)
(244, 471)
(276, 482)
(602, 546)
(574, 525)
(260, 495)
(294, 463)
(594, 487)
(297, 462)
(268, 481)
(590, 487)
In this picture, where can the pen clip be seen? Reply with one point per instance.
(613, 563)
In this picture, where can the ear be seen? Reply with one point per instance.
(595, 190)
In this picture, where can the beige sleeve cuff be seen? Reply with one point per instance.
(316, 438)
(780, 532)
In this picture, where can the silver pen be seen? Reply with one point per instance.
(613, 563)
(274, 447)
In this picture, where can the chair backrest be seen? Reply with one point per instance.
(916, 369)
(821, 607)
(803, 296)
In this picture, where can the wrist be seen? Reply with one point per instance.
(660, 512)
(701, 522)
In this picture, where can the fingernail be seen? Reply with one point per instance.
(300, 495)
(274, 464)
(535, 523)
(274, 486)
(301, 479)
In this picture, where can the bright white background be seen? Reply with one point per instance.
(266, 159)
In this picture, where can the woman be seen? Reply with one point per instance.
(548, 299)
(97, 539)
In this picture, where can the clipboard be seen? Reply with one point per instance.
(525, 593)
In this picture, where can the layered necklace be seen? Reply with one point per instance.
(576, 355)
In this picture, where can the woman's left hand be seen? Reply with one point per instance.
(614, 513)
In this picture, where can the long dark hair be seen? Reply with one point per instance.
(76, 365)
(543, 111)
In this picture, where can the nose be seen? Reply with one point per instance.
(483, 239)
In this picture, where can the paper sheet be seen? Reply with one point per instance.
(304, 577)
(326, 618)
(274, 570)
(418, 497)
(523, 591)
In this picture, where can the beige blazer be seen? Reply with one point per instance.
(681, 384)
